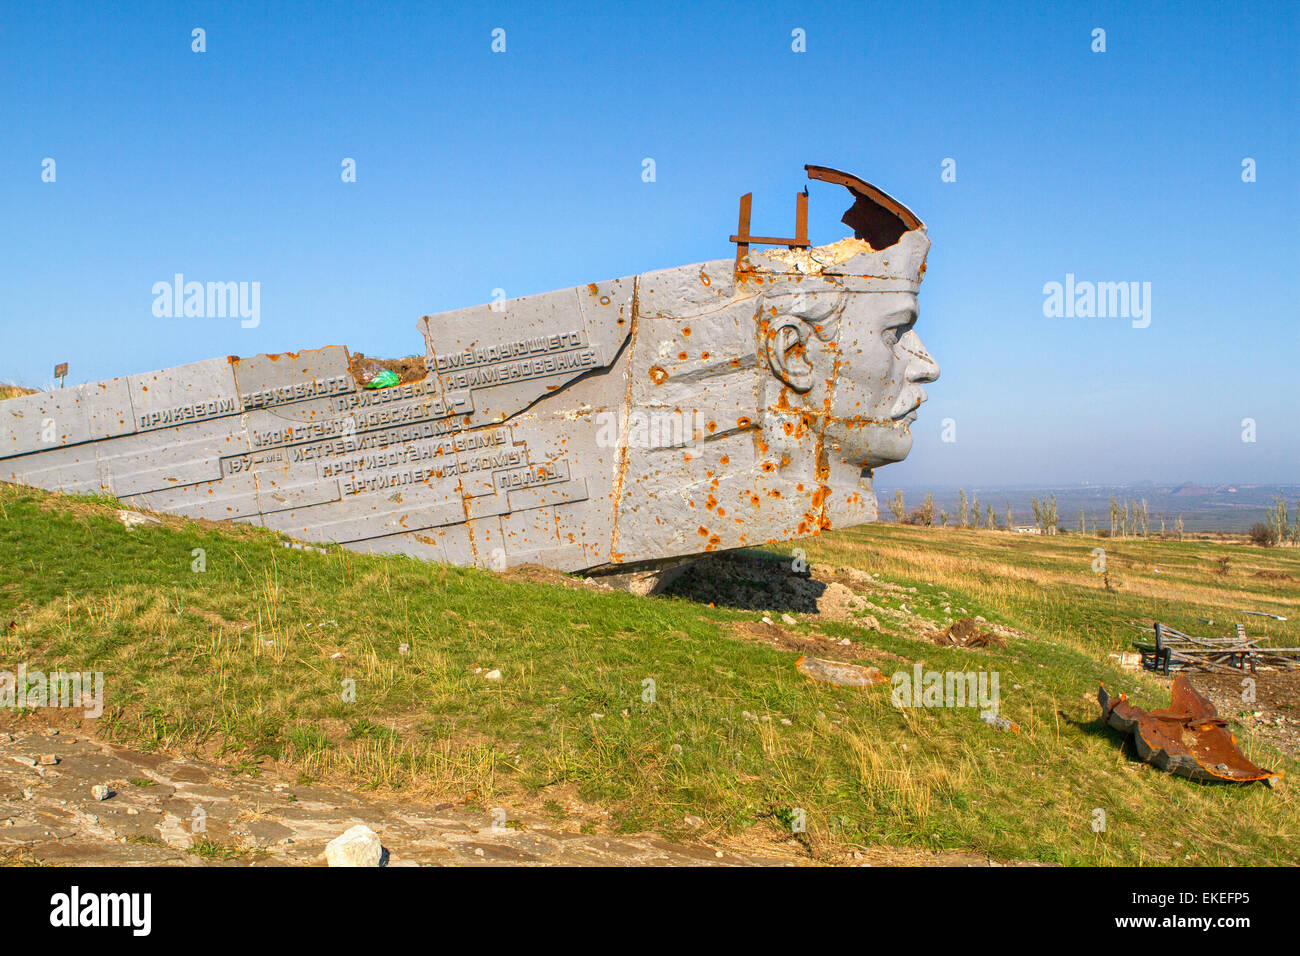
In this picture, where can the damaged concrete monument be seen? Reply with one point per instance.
(611, 426)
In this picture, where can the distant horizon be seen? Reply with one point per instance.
(1228, 507)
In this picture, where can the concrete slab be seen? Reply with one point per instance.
(641, 419)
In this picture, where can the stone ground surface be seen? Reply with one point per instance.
(49, 815)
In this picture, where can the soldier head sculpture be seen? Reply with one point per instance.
(845, 353)
(814, 349)
(618, 424)
(848, 365)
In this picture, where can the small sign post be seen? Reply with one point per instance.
(61, 372)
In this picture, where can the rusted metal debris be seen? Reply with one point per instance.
(875, 215)
(1188, 738)
(841, 674)
(743, 239)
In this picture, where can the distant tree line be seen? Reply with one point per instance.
(971, 513)
(1277, 528)
(1131, 519)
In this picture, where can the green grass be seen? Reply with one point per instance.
(274, 654)
(212, 850)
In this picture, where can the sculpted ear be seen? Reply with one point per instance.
(786, 348)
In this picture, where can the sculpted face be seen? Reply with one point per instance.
(853, 364)
(878, 388)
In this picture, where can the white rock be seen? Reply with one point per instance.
(100, 792)
(786, 618)
(133, 519)
(493, 674)
(359, 846)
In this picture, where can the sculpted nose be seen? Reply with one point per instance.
(921, 367)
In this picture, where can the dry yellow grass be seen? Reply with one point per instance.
(13, 391)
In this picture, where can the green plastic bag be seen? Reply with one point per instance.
(385, 379)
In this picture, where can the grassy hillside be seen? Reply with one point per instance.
(251, 659)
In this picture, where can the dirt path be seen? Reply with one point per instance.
(168, 811)
(48, 814)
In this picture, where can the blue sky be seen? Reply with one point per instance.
(522, 171)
